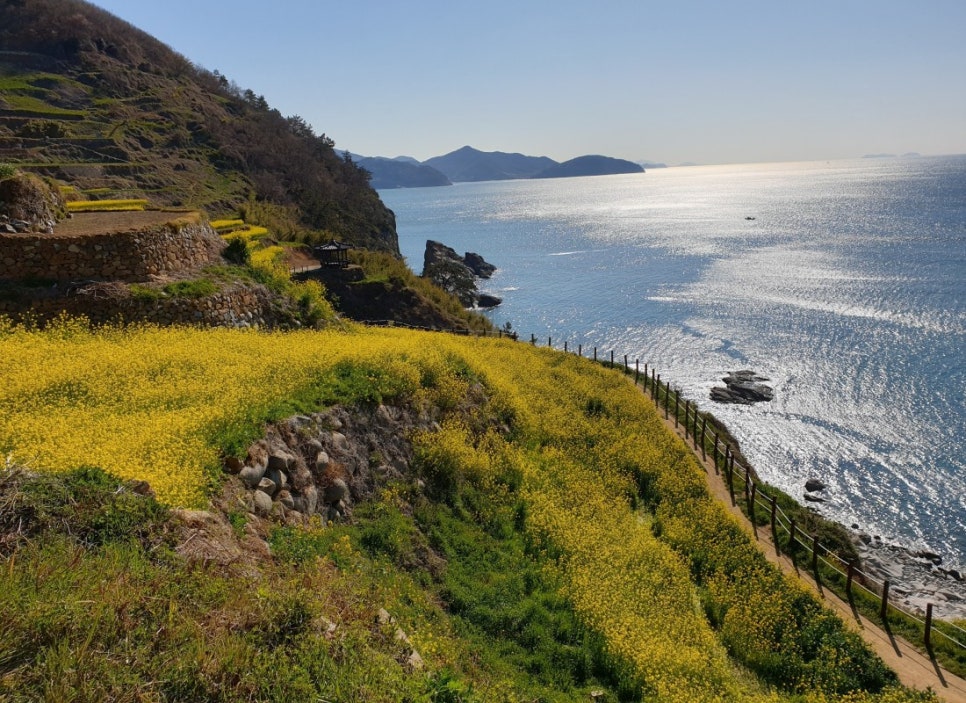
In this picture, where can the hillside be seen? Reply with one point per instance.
(98, 104)
(473, 520)
(589, 166)
(394, 173)
(469, 164)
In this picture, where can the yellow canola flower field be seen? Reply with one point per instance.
(602, 480)
(106, 205)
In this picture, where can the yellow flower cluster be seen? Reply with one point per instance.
(588, 447)
(106, 205)
(226, 225)
(250, 234)
(267, 255)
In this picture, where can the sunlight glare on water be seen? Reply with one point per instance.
(843, 282)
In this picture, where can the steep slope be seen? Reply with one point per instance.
(89, 99)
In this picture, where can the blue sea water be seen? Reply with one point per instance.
(847, 290)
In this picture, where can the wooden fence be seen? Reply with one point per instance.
(759, 503)
(744, 486)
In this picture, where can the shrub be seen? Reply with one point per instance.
(195, 288)
(237, 252)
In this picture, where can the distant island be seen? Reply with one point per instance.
(590, 166)
(401, 172)
(467, 164)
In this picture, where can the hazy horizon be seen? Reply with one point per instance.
(747, 82)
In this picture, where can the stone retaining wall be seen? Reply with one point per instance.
(238, 305)
(130, 256)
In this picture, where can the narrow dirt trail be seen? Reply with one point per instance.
(914, 669)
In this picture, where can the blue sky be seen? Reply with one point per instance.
(674, 81)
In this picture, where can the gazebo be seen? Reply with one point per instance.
(334, 254)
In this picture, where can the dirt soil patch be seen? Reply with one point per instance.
(91, 223)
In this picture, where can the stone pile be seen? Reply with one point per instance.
(13, 226)
(324, 463)
(30, 204)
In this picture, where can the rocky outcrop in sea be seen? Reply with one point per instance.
(458, 274)
(742, 388)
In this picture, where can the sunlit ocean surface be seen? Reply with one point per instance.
(847, 289)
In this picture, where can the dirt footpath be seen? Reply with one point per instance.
(914, 669)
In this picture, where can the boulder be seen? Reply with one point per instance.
(285, 498)
(742, 388)
(251, 475)
(478, 265)
(267, 486)
(340, 442)
(311, 497)
(335, 492)
(485, 300)
(813, 484)
(278, 461)
(415, 662)
(263, 503)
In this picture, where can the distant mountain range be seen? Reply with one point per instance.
(469, 164)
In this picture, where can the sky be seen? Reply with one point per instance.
(675, 81)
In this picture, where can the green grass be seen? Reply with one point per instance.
(837, 539)
(195, 288)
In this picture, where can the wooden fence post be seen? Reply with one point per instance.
(714, 454)
(654, 384)
(595, 353)
(818, 576)
(883, 610)
(774, 525)
(565, 346)
(927, 637)
(626, 367)
(611, 357)
(677, 401)
(533, 339)
(704, 446)
(694, 427)
(687, 416)
(549, 341)
(751, 509)
(580, 350)
(729, 468)
(791, 540)
(637, 369)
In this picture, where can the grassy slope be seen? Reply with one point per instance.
(109, 110)
(578, 551)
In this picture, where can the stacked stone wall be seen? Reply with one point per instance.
(131, 256)
(239, 305)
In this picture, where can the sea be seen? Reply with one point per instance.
(843, 282)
